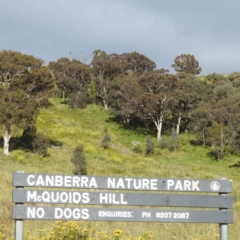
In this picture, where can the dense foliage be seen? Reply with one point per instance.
(133, 90)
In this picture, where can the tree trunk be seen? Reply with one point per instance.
(158, 125)
(159, 134)
(105, 104)
(6, 138)
(63, 95)
(204, 139)
(178, 124)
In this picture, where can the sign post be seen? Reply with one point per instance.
(120, 194)
(19, 222)
(223, 228)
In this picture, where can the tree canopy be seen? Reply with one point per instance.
(186, 63)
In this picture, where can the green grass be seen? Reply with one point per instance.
(67, 128)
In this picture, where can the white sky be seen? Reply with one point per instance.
(159, 29)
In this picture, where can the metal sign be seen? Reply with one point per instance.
(120, 183)
(121, 214)
(124, 198)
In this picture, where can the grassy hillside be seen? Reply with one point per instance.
(66, 128)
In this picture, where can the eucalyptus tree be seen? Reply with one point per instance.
(154, 102)
(226, 105)
(71, 76)
(216, 124)
(17, 112)
(220, 138)
(202, 120)
(61, 79)
(122, 96)
(227, 122)
(136, 62)
(21, 71)
(24, 83)
(190, 91)
(186, 63)
(105, 68)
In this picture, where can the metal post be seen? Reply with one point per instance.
(19, 222)
(223, 227)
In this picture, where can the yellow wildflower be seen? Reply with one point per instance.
(118, 232)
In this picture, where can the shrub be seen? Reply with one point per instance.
(136, 147)
(163, 143)
(78, 100)
(149, 146)
(34, 142)
(40, 145)
(174, 141)
(106, 140)
(78, 160)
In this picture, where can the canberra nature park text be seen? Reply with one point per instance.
(110, 183)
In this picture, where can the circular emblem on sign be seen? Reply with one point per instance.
(215, 186)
